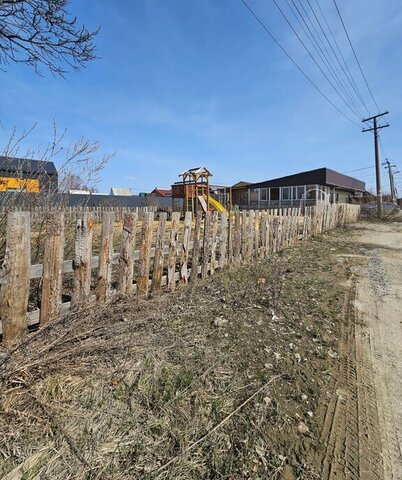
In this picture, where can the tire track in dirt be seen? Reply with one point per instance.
(350, 432)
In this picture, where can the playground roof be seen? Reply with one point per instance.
(196, 172)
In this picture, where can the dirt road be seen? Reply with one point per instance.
(379, 304)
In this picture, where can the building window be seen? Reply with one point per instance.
(298, 193)
(274, 194)
(253, 195)
(286, 193)
(264, 196)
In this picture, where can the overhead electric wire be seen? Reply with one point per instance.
(323, 55)
(335, 56)
(273, 38)
(359, 169)
(313, 59)
(355, 55)
(350, 76)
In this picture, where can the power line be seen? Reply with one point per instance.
(334, 54)
(319, 47)
(355, 55)
(359, 169)
(265, 28)
(350, 76)
(313, 58)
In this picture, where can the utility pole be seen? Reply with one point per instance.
(389, 167)
(375, 129)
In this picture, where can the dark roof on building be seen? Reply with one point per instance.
(26, 165)
(319, 176)
(241, 184)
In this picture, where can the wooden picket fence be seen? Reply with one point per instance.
(71, 213)
(169, 251)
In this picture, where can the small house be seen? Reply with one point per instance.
(300, 189)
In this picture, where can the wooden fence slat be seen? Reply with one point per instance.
(159, 253)
(237, 239)
(230, 238)
(263, 235)
(257, 220)
(127, 248)
(223, 237)
(215, 224)
(244, 235)
(206, 246)
(145, 254)
(82, 259)
(196, 248)
(105, 257)
(250, 236)
(174, 235)
(14, 291)
(52, 279)
(188, 220)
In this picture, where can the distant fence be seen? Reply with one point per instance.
(41, 213)
(168, 251)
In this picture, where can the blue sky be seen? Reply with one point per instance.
(183, 83)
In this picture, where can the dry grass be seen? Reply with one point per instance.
(210, 382)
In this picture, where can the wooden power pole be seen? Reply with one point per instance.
(375, 129)
(389, 167)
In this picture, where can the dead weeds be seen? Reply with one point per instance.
(221, 379)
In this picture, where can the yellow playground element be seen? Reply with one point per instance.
(217, 206)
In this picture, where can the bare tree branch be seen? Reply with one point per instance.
(43, 33)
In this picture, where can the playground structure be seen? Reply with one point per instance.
(199, 194)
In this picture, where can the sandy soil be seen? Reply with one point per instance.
(379, 305)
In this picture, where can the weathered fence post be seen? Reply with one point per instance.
(82, 259)
(250, 246)
(195, 259)
(215, 217)
(15, 275)
(244, 235)
(230, 239)
(127, 248)
(159, 253)
(223, 239)
(52, 277)
(105, 258)
(188, 220)
(145, 254)
(174, 235)
(206, 245)
(237, 240)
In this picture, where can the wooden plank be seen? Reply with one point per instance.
(14, 292)
(215, 224)
(126, 258)
(188, 220)
(237, 239)
(174, 235)
(206, 246)
(244, 235)
(263, 235)
(105, 258)
(145, 254)
(52, 280)
(195, 260)
(250, 246)
(223, 237)
(257, 220)
(159, 253)
(82, 259)
(230, 239)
